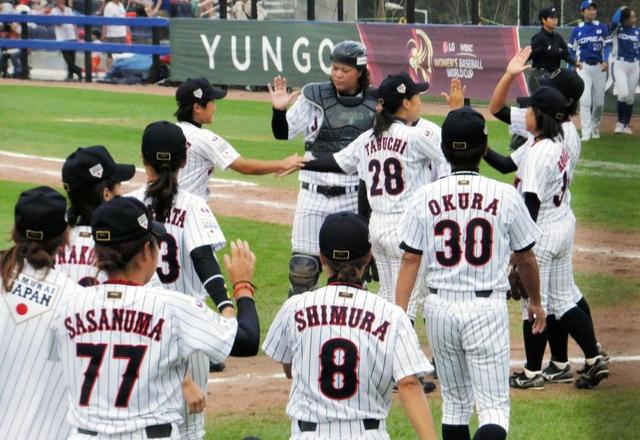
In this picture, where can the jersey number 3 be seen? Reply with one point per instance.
(477, 242)
(338, 364)
(169, 270)
(95, 353)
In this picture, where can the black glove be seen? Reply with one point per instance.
(371, 272)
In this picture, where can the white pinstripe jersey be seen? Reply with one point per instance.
(32, 389)
(443, 168)
(206, 151)
(77, 259)
(190, 226)
(345, 346)
(546, 171)
(466, 226)
(394, 166)
(307, 117)
(124, 353)
(570, 140)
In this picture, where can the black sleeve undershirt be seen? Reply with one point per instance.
(247, 341)
(532, 202)
(526, 248)
(279, 124)
(504, 164)
(364, 209)
(405, 247)
(210, 275)
(324, 164)
(504, 114)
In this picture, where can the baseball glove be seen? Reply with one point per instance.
(517, 290)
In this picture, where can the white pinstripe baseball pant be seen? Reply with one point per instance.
(343, 430)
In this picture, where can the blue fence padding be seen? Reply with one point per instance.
(147, 49)
(84, 20)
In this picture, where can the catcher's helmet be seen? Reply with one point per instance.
(352, 53)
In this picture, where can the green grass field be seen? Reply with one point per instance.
(53, 122)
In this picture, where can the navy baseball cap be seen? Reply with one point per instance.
(123, 219)
(344, 236)
(163, 143)
(198, 90)
(40, 214)
(90, 165)
(568, 82)
(394, 88)
(548, 100)
(464, 129)
(547, 12)
(586, 3)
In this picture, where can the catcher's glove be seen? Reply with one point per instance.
(371, 272)
(517, 290)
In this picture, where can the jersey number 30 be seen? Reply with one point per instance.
(95, 353)
(338, 364)
(477, 242)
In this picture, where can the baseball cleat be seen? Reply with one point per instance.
(619, 128)
(627, 130)
(595, 133)
(603, 353)
(553, 374)
(593, 375)
(216, 368)
(586, 136)
(522, 382)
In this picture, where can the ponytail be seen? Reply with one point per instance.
(547, 127)
(348, 271)
(162, 190)
(382, 122)
(39, 254)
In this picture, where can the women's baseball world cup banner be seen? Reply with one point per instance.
(252, 53)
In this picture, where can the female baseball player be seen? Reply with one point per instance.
(571, 86)
(33, 390)
(330, 115)
(187, 262)
(543, 178)
(465, 227)
(626, 46)
(344, 347)
(124, 346)
(590, 44)
(208, 151)
(90, 176)
(394, 159)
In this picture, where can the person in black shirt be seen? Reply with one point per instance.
(548, 48)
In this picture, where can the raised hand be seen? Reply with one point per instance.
(518, 63)
(280, 97)
(290, 165)
(455, 98)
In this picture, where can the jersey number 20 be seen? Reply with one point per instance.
(338, 364)
(95, 353)
(478, 232)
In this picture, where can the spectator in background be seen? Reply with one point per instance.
(626, 43)
(114, 33)
(241, 10)
(67, 32)
(10, 31)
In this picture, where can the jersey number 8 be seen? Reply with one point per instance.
(338, 364)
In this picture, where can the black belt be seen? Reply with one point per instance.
(369, 424)
(329, 191)
(592, 63)
(479, 293)
(155, 431)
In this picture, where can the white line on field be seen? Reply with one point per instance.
(269, 203)
(215, 181)
(607, 251)
(272, 376)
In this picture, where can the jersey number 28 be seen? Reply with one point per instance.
(392, 174)
(478, 238)
(338, 369)
(95, 353)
